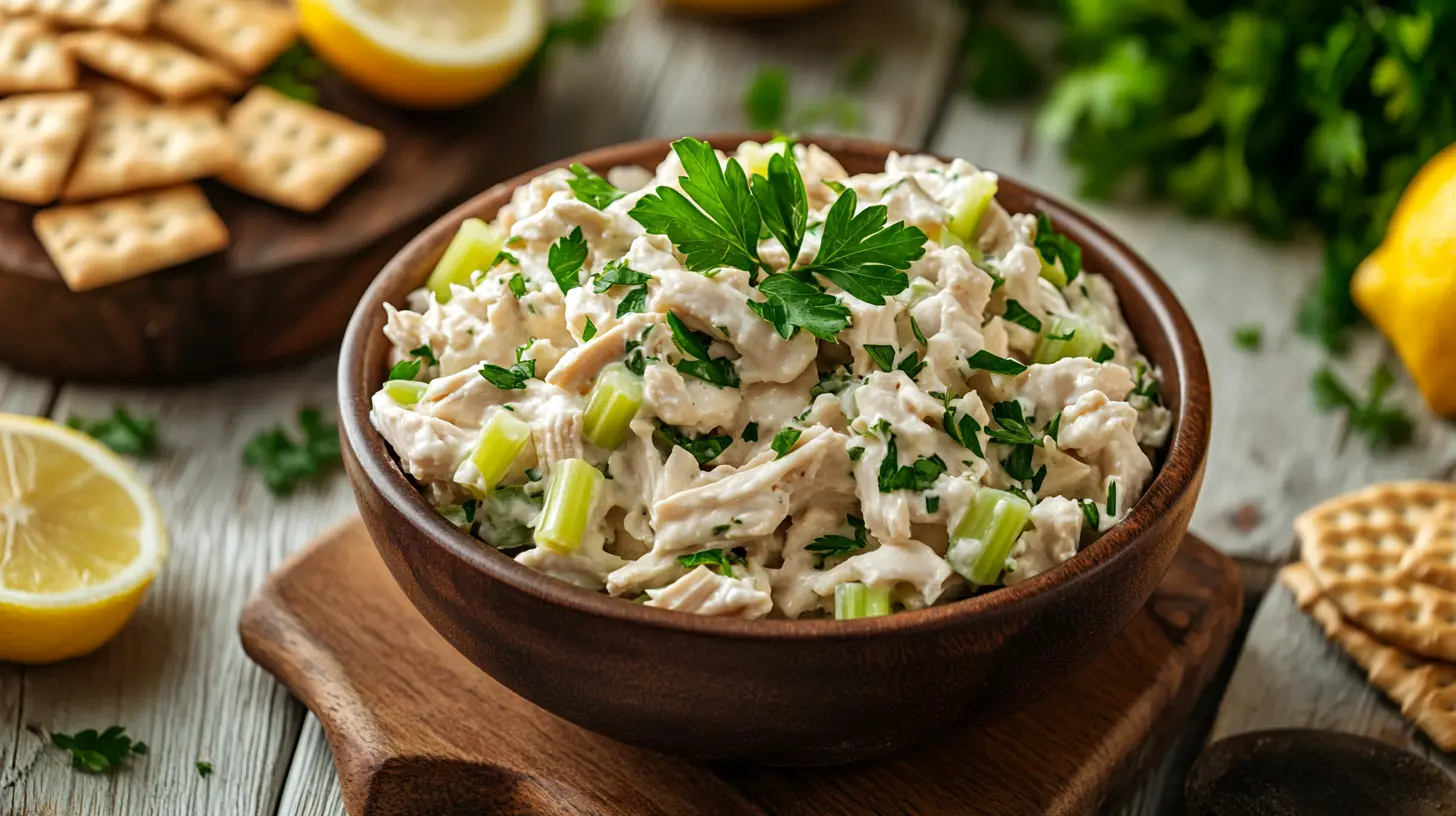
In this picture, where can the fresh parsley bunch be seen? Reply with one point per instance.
(1277, 113)
(284, 462)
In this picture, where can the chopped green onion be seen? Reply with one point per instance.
(970, 209)
(405, 392)
(854, 600)
(613, 403)
(501, 441)
(1067, 336)
(985, 535)
(569, 499)
(474, 248)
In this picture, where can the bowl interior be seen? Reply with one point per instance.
(1162, 328)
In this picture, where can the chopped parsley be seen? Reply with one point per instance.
(986, 361)
(1104, 354)
(882, 356)
(1054, 247)
(517, 283)
(592, 188)
(833, 546)
(1382, 426)
(750, 432)
(792, 303)
(589, 331)
(410, 369)
(719, 560)
(1016, 313)
(855, 453)
(513, 378)
(124, 433)
(1145, 386)
(565, 260)
(637, 360)
(283, 462)
(618, 273)
(721, 529)
(1112, 498)
(932, 503)
(1054, 427)
(1012, 427)
(505, 257)
(1249, 337)
(915, 330)
(704, 449)
(102, 752)
(717, 371)
(965, 430)
(1091, 514)
(784, 441)
(204, 769)
(634, 302)
(917, 476)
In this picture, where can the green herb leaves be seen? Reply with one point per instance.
(719, 560)
(791, 304)
(717, 223)
(704, 449)
(833, 546)
(592, 188)
(513, 378)
(295, 73)
(965, 430)
(986, 361)
(862, 255)
(1382, 427)
(126, 434)
(1016, 313)
(99, 753)
(1055, 247)
(283, 462)
(204, 769)
(618, 273)
(565, 260)
(410, 369)
(783, 202)
(785, 440)
(1249, 337)
(718, 371)
(917, 476)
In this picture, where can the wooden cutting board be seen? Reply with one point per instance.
(288, 282)
(417, 729)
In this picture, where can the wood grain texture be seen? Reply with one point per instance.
(418, 729)
(175, 677)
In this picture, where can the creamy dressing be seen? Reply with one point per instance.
(769, 510)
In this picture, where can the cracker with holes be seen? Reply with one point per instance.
(246, 34)
(108, 95)
(130, 149)
(1424, 689)
(1432, 558)
(1354, 546)
(127, 15)
(162, 69)
(32, 58)
(294, 154)
(39, 135)
(111, 241)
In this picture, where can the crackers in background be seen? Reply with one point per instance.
(127, 15)
(155, 66)
(111, 241)
(134, 148)
(295, 154)
(246, 34)
(39, 135)
(32, 59)
(1432, 558)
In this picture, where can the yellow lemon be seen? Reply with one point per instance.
(425, 54)
(81, 539)
(751, 7)
(1407, 287)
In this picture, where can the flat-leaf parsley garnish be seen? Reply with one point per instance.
(124, 433)
(782, 202)
(785, 440)
(986, 361)
(284, 462)
(513, 378)
(918, 475)
(592, 188)
(717, 371)
(833, 546)
(719, 560)
(862, 255)
(94, 752)
(704, 449)
(565, 260)
(717, 222)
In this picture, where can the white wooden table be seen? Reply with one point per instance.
(177, 678)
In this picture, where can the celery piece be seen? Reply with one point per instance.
(569, 499)
(1067, 336)
(1054, 273)
(405, 392)
(611, 406)
(970, 209)
(853, 600)
(985, 535)
(474, 248)
(501, 441)
(920, 289)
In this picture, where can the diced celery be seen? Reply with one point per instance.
(501, 441)
(569, 499)
(474, 247)
(853, 600)
(920, 289)
(985, 535)
(405, 392)
(1054, 273)
(970, 209)
(611, 406)
(1085, 341)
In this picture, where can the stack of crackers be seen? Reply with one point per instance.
(1378, 572)
(116, 107)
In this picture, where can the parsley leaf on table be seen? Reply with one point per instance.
(1249, 337)
(862, 255)
(125, 434)
(1382, 426)
(295, 73)
(283, 462)
(204, 769)
(102, 752)
(565, 260)
(717, 222)
(592, 188)
(833, 546)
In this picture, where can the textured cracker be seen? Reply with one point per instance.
(135, 148)
(246, 34)
(32, 59)
(108, 94)
(123, 238)
(1424, 689)
(1432, 558)
(39, 135)
(1355, 544)
(127, 15)
(156, 66)
(297, 155)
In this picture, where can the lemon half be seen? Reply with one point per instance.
(81, 538)
(425, 53)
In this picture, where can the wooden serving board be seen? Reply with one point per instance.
(416, 728)
(288, 282)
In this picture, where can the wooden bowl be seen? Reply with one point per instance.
(807, 692)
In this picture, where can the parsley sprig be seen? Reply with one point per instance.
(719, 560)
(717, 222)
(124, 433)
(1382, 426)
(101, 752)
(717, 371)
(513, 378)
(284, 462)
(565, 260)
(833, 546)
(587, 186)
(618, 273)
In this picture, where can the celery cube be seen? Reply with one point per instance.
(574, 487)
(501, 440)
(405, 392)
(970, 209)
(1067, 336)
(854, 600)
(986, 534)
(613, 403)
(474, 248)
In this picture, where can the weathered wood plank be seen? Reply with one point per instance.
(1272, 455)
(22, 393)
(176, 676)
(312, 788)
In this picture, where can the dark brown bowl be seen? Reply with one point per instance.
(806, 692)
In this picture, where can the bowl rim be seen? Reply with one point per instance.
(1180, 472)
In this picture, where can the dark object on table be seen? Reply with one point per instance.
(417, 729)
(806, 692)
(287, 283)
(1303, 772)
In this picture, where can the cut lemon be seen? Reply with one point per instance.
(425, 53)
(81, 539)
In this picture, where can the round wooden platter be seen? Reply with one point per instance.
(287, 283)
